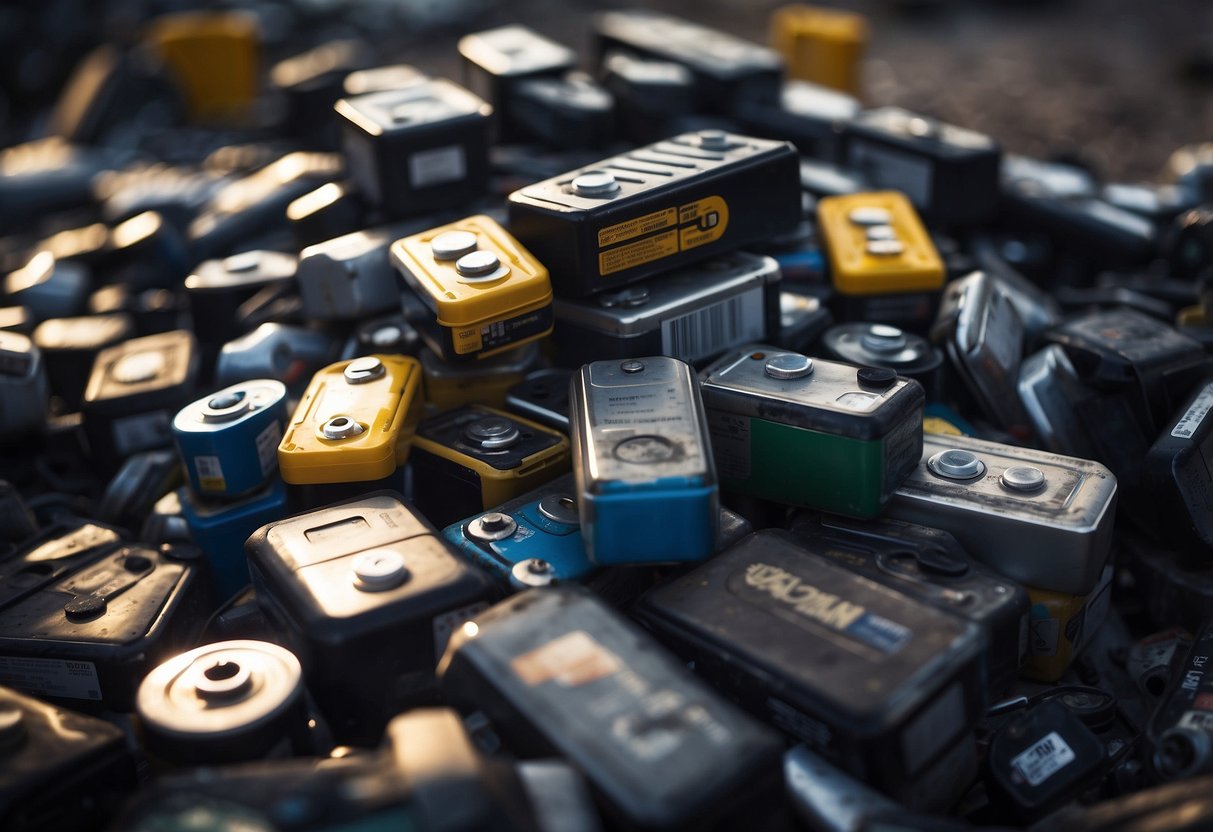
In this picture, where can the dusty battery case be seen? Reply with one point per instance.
(220, 527)
(883, 264)
(1179, 479)
(69, 347)
(354, 423)
(905, 681)
(693, 313)
(773, 414)
(1061, 625)
(366, 593)
(89, 637)
(928, 564)
(657, 207)
(1180, 733)
(60, 770)
(449, 385)
(475, 457)
(485, 292)
(419, 148)
(881, 345)
(571, 111)
(54, 553)
(23, 388)
(543, 395)
(348, 277)
(1041, 519)
(217, 288)
(133, 392)
(556, 671)
(950, 173)
(646, 480)
(648, 94)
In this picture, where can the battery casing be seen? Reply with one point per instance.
(365, 593)
(1061, 625)
(348, 277)
(477, 309)
(220, 527)
(693, 313)
(23, 388)
(70, 346)
(543, 395)
(216, 289)
(1180, 733)
(646, 480)
(761, 619)
(766, 430)
(354, 422)
(1179, 479)
(473, 458)
(290, 354)
(570, 111)
(54, 553)
(557, 672)
(450, 385)
(656, 208)
(1055, 536)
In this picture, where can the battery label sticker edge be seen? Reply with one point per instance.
(1190, 422)
(51, 677)
(715, 328)
(1043, 759)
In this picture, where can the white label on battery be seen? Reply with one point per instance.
(933, 729)
(1042, 639)
(1190, 421)
(210, 470)
(51, 677)
(1197, 720)
(446, 623)
(893, 169)
(730, 435)
(1044, 759)
(434, 167)
(142, 432)
(267, 447)
(713, 329)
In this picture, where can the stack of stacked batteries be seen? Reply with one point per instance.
(668, 445)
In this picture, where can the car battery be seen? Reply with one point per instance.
(771, 413)
(648, 94)
(803, 319)
(645, 477)
(450, 385)
(1060, 626)
(1178, 478)
(381, 78)
(1042, 519)
(692, 313)
(806, 114)
(290, 354)
(474, 458)
(133, 392)
(542, 396)
(657, 207)
(132, 492)
(983, 336)
(213, 56)
(222, 703)
(485, 293)
(147, 252)
(366, 593)
(391, 335)
(556, 671)
(220, 526)
(728, 71)
(883, 264)
(307, 85)
(88, 637)
(228, 441)
(497, 61)
(332, 210)
(348, 277)
(54, 553)
(1180, 733)
(905, 683)
(217, 288)
(881, 345)
(950, 173)
(69, 347)
(820, 44)
(417, 149)
(928, 564)
(571, 111)
(24, 388)
(354, 423)
(59, 770)
(49, 287)
(150, 310)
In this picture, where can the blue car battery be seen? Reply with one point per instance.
(228, 441)
(645, 476)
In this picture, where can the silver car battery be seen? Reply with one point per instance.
(692, 313)
(1041, 519)
(349, 277)
(24, 390)
(290, 354)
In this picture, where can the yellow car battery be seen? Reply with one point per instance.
(214, 56)
(821, 45)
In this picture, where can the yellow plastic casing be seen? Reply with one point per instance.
(821, 45)
(855, 268)
(480, 317)
(216, 58)
(387, 408)
(1060, 625)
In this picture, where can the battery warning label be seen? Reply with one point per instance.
(51, 677)
(661, 234)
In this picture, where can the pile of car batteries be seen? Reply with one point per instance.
(644, 440)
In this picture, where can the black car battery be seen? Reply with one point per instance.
(291, 354)
(556, 671)
(51, 554)
(803, 319)
(223, 703)
(70, 346)
(59, 769)
(308, 84)
(151, 310)
(131, 493)
(216, 289)
(134, 391)
(49, 287)
(657, 207)
(1180, 732)
(1173, 590)
(542, 396)
(692, 313)
(950, 173)
(474, 458)
(417, 149)
(85, 639)
(728, 72)
(760, 620)
(808, 115)
(570, 111)
(928, 564)
(1178, 478)
(333, 209)
(24, 388)
(16, 319)
(366, 592)
(648, 94)
(881, 345)
(450, 385)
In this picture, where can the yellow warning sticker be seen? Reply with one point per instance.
(697, 224)
(466, 340)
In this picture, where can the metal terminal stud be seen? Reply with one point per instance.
(632, 366)
(362, 370)
(595, 183)
(478, 264)
(560, 508)
(226, 407)
(340, 427)
(533, 572)
(1023, 478)
(788, 365)
(385, 336)
(492, 432)
(493, 526)
(956, 464)
(713, 139)
(882, 338)
(881, 232)
(222, 679)
(451, 245)
(379, 570)
(884, 248)
(869, 215)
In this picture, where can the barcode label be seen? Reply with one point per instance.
(1044, 759)
(51, 677)
(712, 330)
(210, 473)
(1195, 414)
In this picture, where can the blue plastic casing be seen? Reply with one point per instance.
(220, 529)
